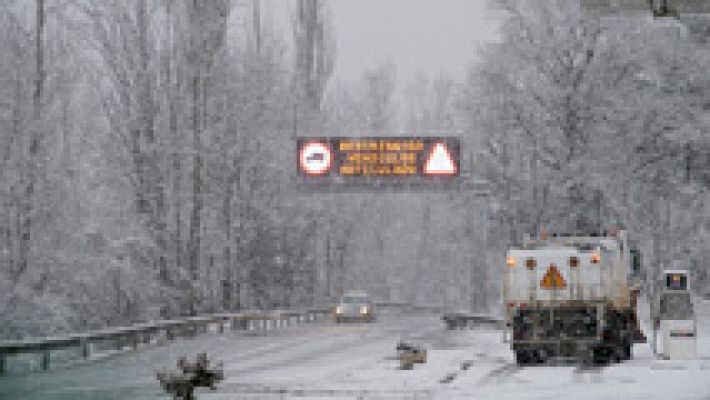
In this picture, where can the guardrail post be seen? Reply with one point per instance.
(134, 340)
(45, 360)
(85, 349)
(3, 363)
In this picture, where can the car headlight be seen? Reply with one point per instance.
(338, 310)
(363, 310)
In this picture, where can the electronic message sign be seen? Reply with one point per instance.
(379, 162)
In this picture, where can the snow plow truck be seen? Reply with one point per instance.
(573, 297)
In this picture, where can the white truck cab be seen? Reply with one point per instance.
(570, 295)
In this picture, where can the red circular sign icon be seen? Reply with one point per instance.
(315, 158)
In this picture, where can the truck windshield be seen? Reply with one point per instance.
(352, 300)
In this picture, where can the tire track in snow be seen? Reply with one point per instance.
(335, 341)
(258, 389)
(500, 374)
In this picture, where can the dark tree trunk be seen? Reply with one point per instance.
(196, 213)
(173, 80)
(227, 278)
(35, 141)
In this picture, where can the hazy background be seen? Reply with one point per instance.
(418, 36)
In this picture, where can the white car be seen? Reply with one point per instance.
(354, 306)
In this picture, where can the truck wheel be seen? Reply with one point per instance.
(626, 352)
(586, 357)
(595, 356)
(601, 355)
(617, 353)
(523, 357)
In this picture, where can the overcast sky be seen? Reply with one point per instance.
(419, 35)
(425, 36)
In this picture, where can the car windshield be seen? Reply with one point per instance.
(354, 300)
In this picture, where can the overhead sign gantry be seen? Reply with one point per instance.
(659, 8)
(377, 163)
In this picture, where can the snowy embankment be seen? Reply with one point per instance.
(643, 377)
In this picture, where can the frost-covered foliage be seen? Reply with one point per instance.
(587, 123)
(27, 312)
(163, 129)
(147, 157)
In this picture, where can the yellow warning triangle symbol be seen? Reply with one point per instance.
(553, 279)
(439, 161)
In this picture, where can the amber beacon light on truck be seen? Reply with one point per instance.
(595, 258)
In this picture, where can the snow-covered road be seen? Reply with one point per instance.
(355, 361)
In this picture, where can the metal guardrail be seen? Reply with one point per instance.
(466, 320)
(135, 335)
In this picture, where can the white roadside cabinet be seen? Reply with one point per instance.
(674, 317)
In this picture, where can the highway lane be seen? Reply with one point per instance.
(247, 356)
(356, 361)
(466, 364)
